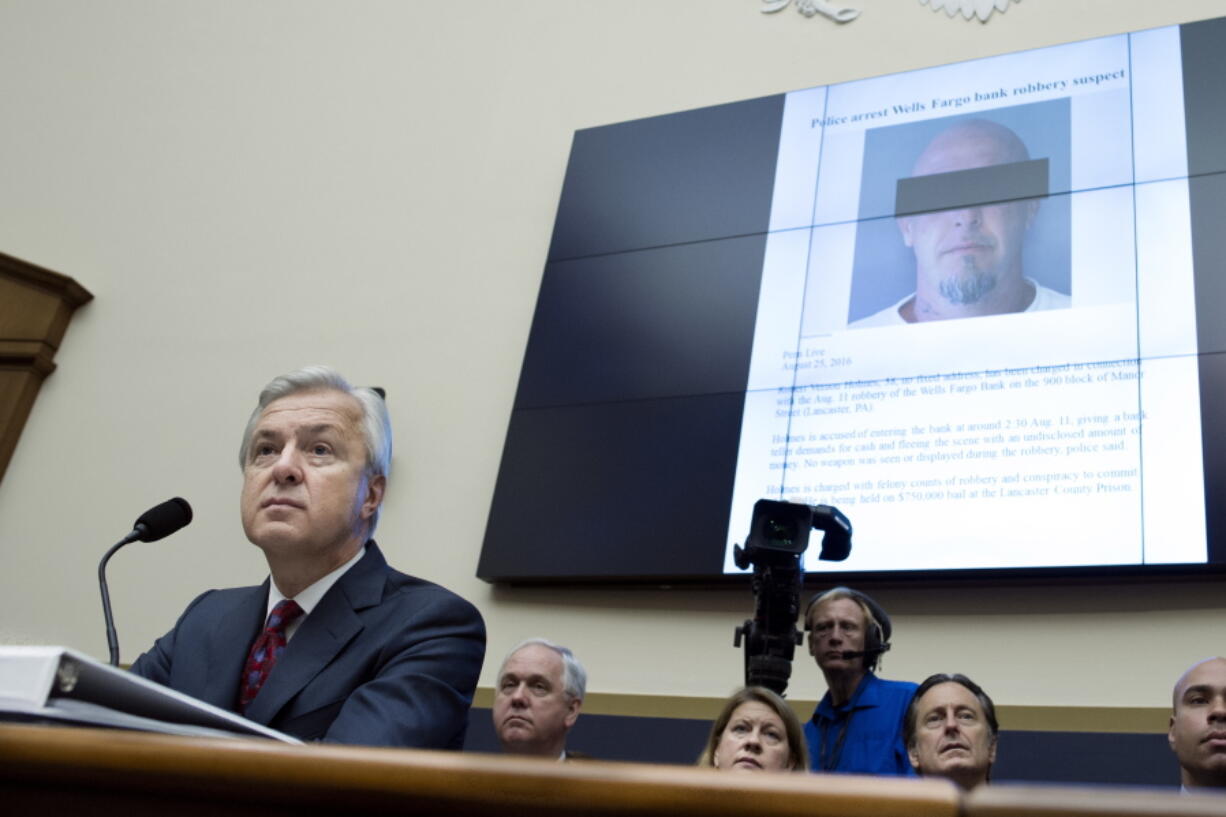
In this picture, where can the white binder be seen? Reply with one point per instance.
(62, 685)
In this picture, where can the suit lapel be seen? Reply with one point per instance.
(323, 635)
(228, 646)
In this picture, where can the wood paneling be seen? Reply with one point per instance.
(58, 770)
(35, 307)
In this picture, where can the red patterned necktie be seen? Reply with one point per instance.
(266, 650)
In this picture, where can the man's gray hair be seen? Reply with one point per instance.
(574, 676)
(376, 424)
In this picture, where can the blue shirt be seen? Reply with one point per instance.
(871, 726)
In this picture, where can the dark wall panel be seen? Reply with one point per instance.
(620, 453)
(1204, 94)
(671, 179)
(1023, 757)
(635, 489)
(613, 737)
(654, 323)
(1212, 371)
(1085, 757)
(1207, 200)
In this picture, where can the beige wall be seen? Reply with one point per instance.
(251, 186)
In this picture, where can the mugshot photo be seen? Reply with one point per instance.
(964, 216)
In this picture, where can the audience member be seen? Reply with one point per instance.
(538, 698)
(951, 730)
(1198, 725)
(755, 731)
(857, 726)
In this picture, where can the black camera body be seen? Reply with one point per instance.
(778, 538)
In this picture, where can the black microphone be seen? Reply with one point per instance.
(850, 654)
(156, 523)
(161, 520)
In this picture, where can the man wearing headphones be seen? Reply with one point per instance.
(858, 725)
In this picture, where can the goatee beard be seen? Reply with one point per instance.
(968, 288)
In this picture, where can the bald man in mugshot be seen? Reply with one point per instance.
(963, 215)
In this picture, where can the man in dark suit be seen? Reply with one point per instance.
(336, 645)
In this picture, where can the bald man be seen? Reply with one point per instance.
(1198, 725)
(968, 259)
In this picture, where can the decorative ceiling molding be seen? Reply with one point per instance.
(837, 12)
(845, 14)
(980, 8)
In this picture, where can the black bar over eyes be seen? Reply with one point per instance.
(976, 187)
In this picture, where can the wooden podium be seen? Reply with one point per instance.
(64, 770)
